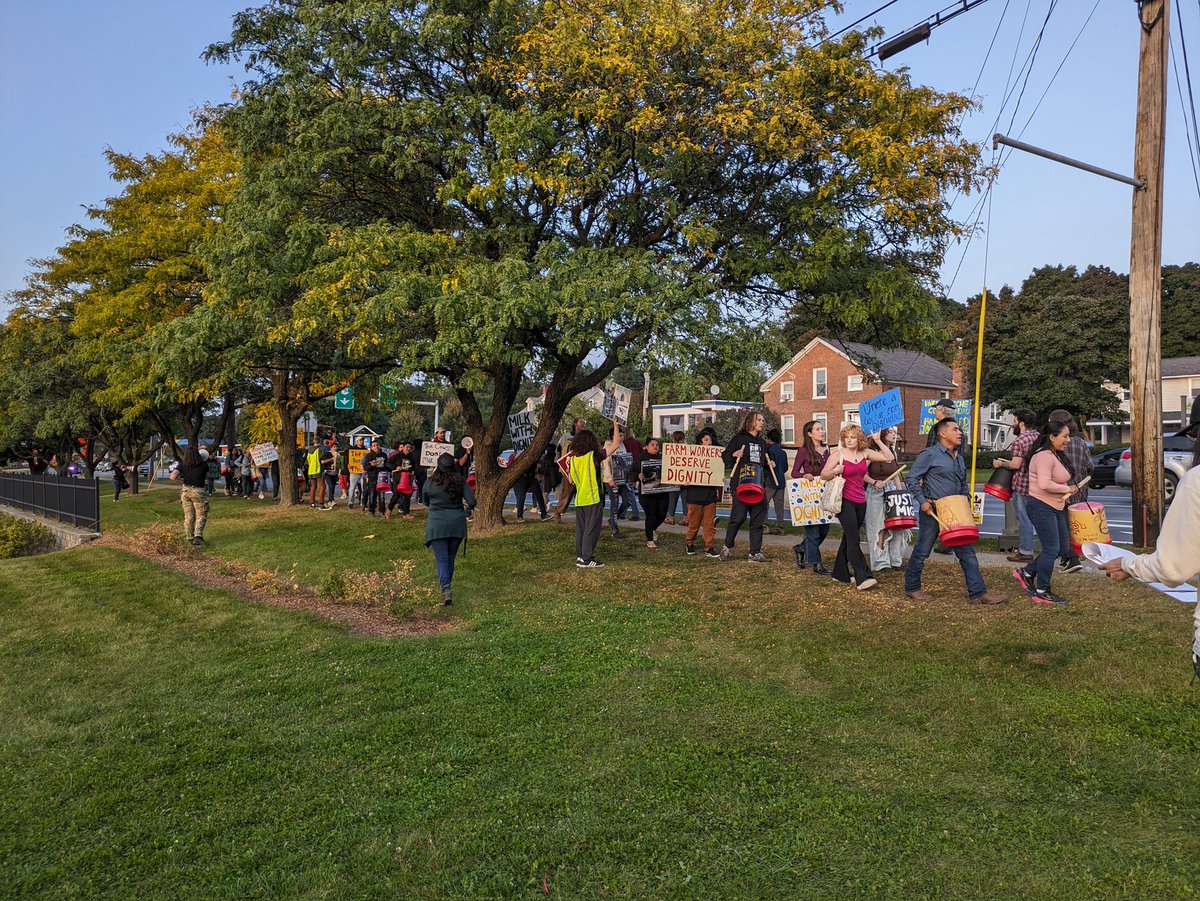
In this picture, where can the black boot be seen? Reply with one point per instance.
(798, 549)
(820, 570)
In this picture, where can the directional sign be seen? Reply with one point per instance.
(344, 399)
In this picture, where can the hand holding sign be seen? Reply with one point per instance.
(879, 413)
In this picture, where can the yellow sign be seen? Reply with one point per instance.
(977, 507)
(354, 458)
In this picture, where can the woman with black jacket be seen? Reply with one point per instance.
(654, 500)
(747, 448)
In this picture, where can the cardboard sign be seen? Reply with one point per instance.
(354, 458)
(263, 454)
(962, 415)
(564, 463)
(431, 450)
(521, 427)
(881, 412)
(693, 464)
(616, 402)
(977, 507)
(804, 498)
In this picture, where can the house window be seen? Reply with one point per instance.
(787, 391)
(823, 418)
(1195, 383)
(820, 383)
(854, 383)
(787, 425)
(850, 413)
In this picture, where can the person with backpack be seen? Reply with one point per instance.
(120, 480)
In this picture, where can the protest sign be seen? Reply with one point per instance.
(881, 412)
(804, 498)
(262, 454)
(521, 427)
(651, 477)
(616, 402)
(354, 458)
(930, 417)
(431, 450)
(693, 464)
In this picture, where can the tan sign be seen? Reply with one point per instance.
(804, 499)
(693, 464)
(431, 450)
(354, 458)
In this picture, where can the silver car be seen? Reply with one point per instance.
(1177, 457)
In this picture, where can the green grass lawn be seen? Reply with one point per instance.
(666, 727)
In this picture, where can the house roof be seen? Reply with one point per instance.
(892, 367)
(1174, 367)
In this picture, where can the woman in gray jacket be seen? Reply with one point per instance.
(448, 497)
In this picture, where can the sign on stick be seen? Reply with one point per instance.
(616, 402)
(262, 454)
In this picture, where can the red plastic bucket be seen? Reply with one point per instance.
(750, 489)
(1000, 485)
(899, 510)
(958, 521)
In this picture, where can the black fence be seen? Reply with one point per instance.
(74, 501)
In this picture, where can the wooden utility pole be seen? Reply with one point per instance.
(1145, 275)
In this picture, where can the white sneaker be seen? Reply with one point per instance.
(867, 583)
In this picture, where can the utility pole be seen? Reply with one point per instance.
(1145, 275)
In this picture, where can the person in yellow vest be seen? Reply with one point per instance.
(584, 475)
(316, 480)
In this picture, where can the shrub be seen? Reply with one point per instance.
(394, 589)
(22, 537)
(165, 540)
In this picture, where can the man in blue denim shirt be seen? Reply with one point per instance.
(940, 472)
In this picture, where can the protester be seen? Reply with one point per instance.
(275, 478)
(612, 493)
(448, 497)
(399, 464)
(526, 482)
(264, 480)
(937, 473)
(229, 469)
(810, 460)
(747, 448)
(850, 461)
(886, 546)
(312, 471)
(37, 464)
(121, 480)
(354, 489)
(583, 475)
(1176, 559)
(566, 489)
(1050, 484)
(329, 461)
(634, 448)
(619, 466)
(944, 409)
(655, 503)
(1027, 435)
(701, 503)
(193, 472)
(777, 494)
(374, 461)
(1079, 461)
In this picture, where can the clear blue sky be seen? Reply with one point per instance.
(77, 76)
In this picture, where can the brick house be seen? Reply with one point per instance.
(828, 379)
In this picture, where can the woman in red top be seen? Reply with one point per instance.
(850, 461)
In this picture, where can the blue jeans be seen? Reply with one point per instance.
(444, 552)
(1065, 553)
(1024, 524)
(813, 536)
(1046, 522)
(916, 563)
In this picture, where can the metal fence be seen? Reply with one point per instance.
(74, 501)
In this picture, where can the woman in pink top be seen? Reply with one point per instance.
(850, 461)
(1051, 482)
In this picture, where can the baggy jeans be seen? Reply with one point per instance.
(195, 511)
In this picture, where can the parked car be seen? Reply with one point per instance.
(144, 470)
(1104, 468)
(1177, 457)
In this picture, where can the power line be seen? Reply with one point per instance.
(1066, 56)
(838, 34)
(1191, 99)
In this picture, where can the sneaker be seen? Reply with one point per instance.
(198, 541)
(691, 550)
(591, 564)
(447, 597)
(616, 533)
(650, 545)
(1070, 566)
(520, 519)
(261, 496)
(1019, 557)
(724, 555)
(709, 552)
(1024, 579)
(760, 557)
(579, 561)
(545, 516)
(867, 583)
(654, 536)
(1045, 597)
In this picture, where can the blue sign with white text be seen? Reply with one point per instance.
(881, 412)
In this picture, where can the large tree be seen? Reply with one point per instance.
(552, 190)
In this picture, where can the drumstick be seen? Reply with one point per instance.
(1082, 482)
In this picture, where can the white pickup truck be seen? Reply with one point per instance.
(1177, 457)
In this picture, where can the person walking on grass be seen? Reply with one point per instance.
(886, 546)
(565, 488)
(1177, 557)
(701, 501)
(1079, 462)
(448, 497)
(850, 461)
(121, 481)
(777, 495)
(810, 460)
(1050, 484)
(1027, 436)
(584, 478)
(193, 472)
(398, 464)
(937, 473)
(747, 448)
(655, 503)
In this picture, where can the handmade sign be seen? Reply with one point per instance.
(879, 413)
(354, 458)
(431, 450)
(651, 473)
(804, 498)
(693, 464)
(616, 402)
(521, 427)
(930, 416)
(262, 454)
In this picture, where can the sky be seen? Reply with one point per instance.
(79, 76)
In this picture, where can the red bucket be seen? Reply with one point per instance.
(899, 510)
(472, 481)
(1000, 485)
(958, 522)
(750, 489)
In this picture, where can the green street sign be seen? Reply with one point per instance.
(387, 397)
(344, 399)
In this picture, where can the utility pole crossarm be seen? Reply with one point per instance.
(998, 139)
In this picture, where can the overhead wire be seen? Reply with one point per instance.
(1193, 151)
(852, 25)
(1062, 63)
